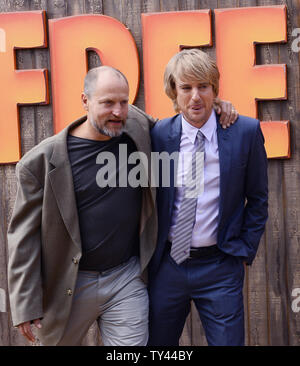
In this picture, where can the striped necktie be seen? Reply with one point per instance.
(180, 249)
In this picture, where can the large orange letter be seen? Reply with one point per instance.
(19, 30)
(242, 81)
(163, 36)
(70, 39)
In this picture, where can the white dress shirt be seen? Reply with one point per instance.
(206, 224)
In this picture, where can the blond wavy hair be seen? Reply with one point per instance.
(192, 64)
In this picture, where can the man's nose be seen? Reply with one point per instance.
(117, 110)
(196, 94)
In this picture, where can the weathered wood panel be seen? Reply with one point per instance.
(260, 298)
(290, 176)
(269, 319)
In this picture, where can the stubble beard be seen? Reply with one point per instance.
(106, 131)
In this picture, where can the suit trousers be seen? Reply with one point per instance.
(215, 284)
(117, 299)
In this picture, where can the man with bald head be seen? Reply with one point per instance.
(78, 250)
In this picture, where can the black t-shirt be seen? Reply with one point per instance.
(109, 216)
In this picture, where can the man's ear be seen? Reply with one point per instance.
(85, 101)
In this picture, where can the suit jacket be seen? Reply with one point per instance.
(243, 203)
(44, 238)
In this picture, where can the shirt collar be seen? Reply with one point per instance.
(207, 129)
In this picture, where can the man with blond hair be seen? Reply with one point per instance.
(211, 218)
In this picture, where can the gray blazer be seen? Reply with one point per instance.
(44, 238)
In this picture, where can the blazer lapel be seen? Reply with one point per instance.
(143, 144)
(224, 145)
(135, 131)
(61, 180)
(173, 145)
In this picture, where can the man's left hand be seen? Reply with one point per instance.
(228, 113)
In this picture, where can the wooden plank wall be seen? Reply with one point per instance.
(276, 271)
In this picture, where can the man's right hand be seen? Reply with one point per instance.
(26, 331)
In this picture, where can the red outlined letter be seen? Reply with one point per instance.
(242, 81)
(19, 30)
(163, 35)
(70, 39)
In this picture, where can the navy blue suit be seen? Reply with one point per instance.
(216, 283)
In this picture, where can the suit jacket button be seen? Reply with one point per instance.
(75, 260)
(69, 292)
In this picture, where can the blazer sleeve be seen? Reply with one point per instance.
(256, 190)
(24, 249)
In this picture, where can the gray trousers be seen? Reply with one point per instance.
(117, 299)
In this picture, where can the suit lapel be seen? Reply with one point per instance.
(135, 131)
(137, 134)
(143, 144)
(173, 145)
(61, 180)
(224, 145)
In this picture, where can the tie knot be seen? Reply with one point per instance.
(200, 139)
(200, 136)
